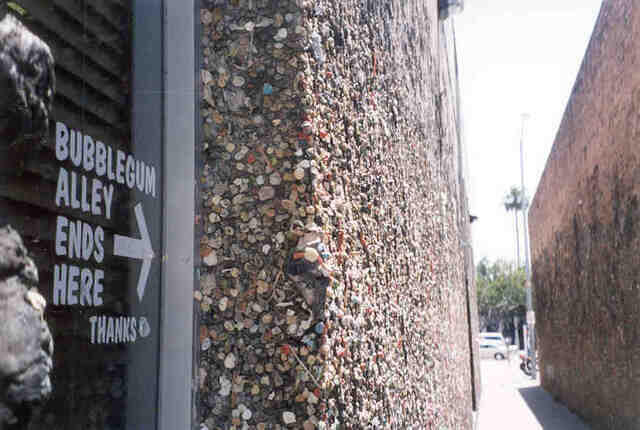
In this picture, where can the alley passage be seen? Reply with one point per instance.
(510, 400)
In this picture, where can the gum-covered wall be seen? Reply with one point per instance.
(335, 258)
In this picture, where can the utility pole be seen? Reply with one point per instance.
(530, 313)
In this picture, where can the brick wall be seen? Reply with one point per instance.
(337, 113)
(584, 233)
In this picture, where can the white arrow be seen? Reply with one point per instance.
(140, 249)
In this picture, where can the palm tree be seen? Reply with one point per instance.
(514, 201)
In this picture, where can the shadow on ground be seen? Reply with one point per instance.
(551, 415)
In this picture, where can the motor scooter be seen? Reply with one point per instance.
(526, 365)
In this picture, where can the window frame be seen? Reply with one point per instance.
(180, 100)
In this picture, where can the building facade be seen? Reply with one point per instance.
(249, 214)
(584, 234)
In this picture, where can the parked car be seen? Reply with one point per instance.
(493, 345)
(492, 337)
(491, 350)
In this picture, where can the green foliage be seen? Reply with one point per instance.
(501, 288)
(16, 8)
(515, 200)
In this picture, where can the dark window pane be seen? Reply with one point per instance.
(86, 199)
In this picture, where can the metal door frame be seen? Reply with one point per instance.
(176, 387)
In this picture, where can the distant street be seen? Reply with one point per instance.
(511, 400)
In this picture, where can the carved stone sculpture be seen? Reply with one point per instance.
(26, 345)
(27, 85)
(27, 82)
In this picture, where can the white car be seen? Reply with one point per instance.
(492, 345)
(490, 350)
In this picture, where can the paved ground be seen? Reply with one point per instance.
(511, 400)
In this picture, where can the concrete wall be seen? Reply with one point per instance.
(585, 233)
(339, 113)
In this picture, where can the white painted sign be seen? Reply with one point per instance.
(136, 248)
(80, 242)
(124, 329)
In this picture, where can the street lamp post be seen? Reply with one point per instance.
(525, 206)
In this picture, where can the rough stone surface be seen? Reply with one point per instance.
(26, 346)
(346, 114)
(26, 70)
(585, 234)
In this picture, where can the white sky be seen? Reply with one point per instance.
(514, 56)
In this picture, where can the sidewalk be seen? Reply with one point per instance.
(512, 401)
